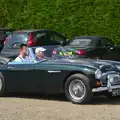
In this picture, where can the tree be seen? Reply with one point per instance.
(70, 17)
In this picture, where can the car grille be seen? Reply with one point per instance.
(109, 72)
(107, 68)
(114, 79)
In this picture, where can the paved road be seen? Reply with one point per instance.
(57, 108)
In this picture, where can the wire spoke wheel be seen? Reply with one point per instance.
(77, 89)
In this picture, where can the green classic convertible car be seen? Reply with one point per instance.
(79, 79)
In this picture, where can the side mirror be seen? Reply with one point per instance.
(64, 42)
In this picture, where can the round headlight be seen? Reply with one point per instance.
(110, 78)
(98, 74)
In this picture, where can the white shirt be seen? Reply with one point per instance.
(25, 59)
(19, 59)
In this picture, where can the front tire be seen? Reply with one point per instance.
(78, 89)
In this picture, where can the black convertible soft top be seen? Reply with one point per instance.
(89, 37)
(94, 39)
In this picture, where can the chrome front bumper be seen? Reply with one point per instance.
(113, 83)
(100, 89)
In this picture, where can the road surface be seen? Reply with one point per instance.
(57, 108)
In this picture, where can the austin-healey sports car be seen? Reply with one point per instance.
(79, 79)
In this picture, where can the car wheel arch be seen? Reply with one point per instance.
(71, 73)
(78, 81)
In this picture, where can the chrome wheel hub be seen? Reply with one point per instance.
(77, 89)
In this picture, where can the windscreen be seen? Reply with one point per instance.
(49, 52)
(16, 38)
(13, 42)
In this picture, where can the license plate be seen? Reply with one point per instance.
(116, 92)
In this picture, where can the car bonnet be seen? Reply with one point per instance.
(85, 62)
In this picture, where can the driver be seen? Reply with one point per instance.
(23, 56)
(39, 53)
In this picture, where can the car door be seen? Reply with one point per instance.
(20, 77)
(98, 50)
(117, 53)
(49, 77)
(110, 52)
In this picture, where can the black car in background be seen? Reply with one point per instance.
(97, 47)
(4, 32)
(32, 38)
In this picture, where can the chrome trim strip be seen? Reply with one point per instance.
(52, 71)
(100, 89)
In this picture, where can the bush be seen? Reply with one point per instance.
(70, 17)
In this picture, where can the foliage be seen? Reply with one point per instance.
(70, 17)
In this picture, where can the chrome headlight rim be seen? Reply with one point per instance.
(98, 74)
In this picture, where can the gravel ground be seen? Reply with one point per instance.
(57, 108)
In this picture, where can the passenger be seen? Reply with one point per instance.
(23, 54)
(39, 53)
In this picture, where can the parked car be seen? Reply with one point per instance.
(31, 38)
(79, 79)
(4, 32)
(96, 47)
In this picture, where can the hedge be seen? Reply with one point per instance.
(70, 17)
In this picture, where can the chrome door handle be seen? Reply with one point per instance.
(53, 71)
(10, 67)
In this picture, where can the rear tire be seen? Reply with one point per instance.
(2, 85)
(78, 89)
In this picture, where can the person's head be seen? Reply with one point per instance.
(39, 52)
(23, 49)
